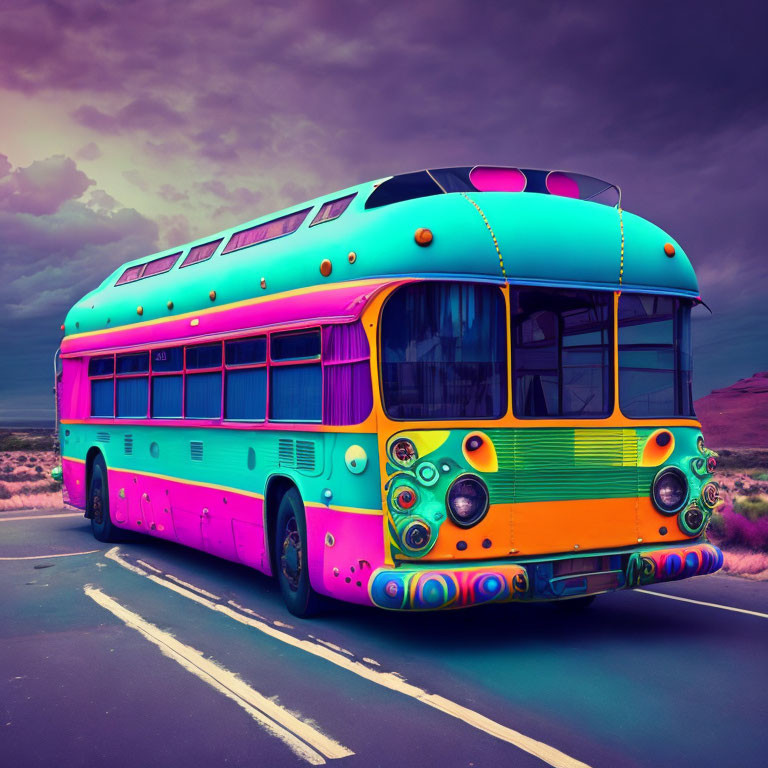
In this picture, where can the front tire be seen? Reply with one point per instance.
(290, 557)
(98, 503)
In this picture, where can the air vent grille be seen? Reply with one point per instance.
(196, 450)
(102, 437)
(128, 445)
(286, 452)
(305, 455)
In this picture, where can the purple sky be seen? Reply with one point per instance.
(126, 127)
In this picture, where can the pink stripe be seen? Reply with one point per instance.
(323, 305)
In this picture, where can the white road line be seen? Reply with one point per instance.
(148, 566)
(701, 602)
(45, 557)
(191, 586)
(41, 517)
(304, 740)
(390, 680)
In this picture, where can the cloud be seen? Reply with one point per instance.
(41, 187)
(143, 113)
(171, 194)
(90, 151)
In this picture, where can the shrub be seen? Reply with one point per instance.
(4, 492)
(752, 508)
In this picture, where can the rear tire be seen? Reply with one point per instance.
(98, 503)
(290, 557)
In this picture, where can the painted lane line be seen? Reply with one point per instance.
(191, 586)
(148, 566)
(45, 557)
(391, 680)
(114, 554)
(304, 740)
(40, 517)
(701, 602)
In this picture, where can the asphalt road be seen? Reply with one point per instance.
(156, 655)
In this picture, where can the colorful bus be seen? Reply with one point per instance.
(439, 389)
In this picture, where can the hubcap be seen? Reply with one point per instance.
(290, 557)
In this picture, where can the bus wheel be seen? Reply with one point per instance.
(98, 503)
(291, 557)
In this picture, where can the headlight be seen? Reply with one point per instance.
(692, 520)
(416, 536)
(467, 501)
(670, 490)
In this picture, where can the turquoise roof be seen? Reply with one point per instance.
(543, 239)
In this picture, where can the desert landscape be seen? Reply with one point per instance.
(734, 420)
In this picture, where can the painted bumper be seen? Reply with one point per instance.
(421, 588)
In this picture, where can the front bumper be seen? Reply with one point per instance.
(418, 587)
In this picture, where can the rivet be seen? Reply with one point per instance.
(335, 571)
(170, 305)
(139, 310)
(263, 282)
(109, 320)
(352, 257)
(327, 493)
(575, 546)
(194, 322)
(663, 530)
(639, 540)
(77, 324)
(325, 267)
(423, 236)
(487, 543)
(62, 327)
(461, 545)
(669, 249)
(212, 295)
(329, 540)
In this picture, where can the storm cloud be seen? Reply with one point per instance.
(212, 114)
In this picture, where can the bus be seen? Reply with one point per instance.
(446, 388)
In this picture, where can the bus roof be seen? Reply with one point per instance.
(487, 222)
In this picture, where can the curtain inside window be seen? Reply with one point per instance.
(102, 397)
(203, 395)
(444, 352)
(132, 397)
(347, 389)
(166, 397)
(295, 393)
(246, 394)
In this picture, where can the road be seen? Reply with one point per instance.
(151, 654)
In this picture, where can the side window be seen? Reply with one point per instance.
(101, 371)
(295, 377)
(132, 385)
(347, 388)
(167, 383)
(245, 379)
(202, 382)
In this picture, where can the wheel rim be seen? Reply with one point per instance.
(97, 501)
(290, 555)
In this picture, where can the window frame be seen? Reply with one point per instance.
(143, 268)
(317, 220)
(609, 346)
(304, 211)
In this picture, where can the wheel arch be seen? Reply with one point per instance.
(93, 453)
(277, 486)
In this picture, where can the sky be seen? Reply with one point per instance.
(128, 126)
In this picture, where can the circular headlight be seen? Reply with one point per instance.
(692, 520)
(403, 451)
(416, 535)
(670, 490)
(405, 497)
(467, 501)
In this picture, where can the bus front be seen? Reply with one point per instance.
(537, 441)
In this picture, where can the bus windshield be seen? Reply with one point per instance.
(444, 352)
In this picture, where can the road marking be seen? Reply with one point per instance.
(390, 680)
(191, 586)
(701, 602)
(304, 740)
(45, 557)
(41, 517)
(148, 566)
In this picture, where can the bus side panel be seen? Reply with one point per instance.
(344, 549)
(74, 481)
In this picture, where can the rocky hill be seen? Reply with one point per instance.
(736, 416)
